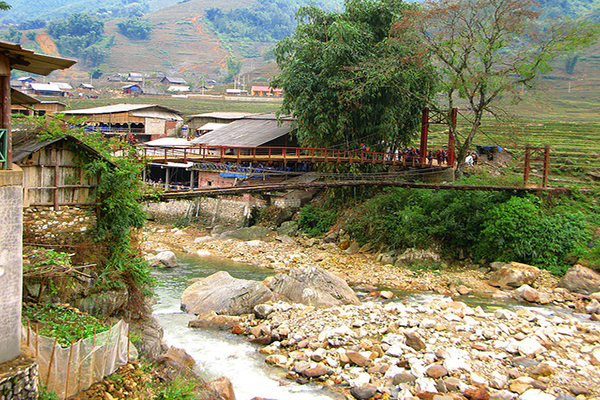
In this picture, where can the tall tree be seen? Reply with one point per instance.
(336, 85)
(4, 6)
(488, 49)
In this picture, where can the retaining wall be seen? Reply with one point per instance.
(21, 381)
(44, 225)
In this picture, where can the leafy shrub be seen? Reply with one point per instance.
(316, 221)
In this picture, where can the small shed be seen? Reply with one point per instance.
(52, 175)
(132, 89)
(86, 86)
(37, 109)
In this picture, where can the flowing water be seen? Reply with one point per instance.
(219, 353)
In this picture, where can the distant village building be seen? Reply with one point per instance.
(63, 86)
(38, 109)
(235, 92)
(132, 89)
(173, 81)
(114, 78)
(45, 89)
(135, 77)
(196, 121)
(178, 89)
(266, 91)
(86, 86)
(142, 122)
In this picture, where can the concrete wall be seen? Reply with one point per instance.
(44, 225)
(11, 260)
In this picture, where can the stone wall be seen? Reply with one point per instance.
(20, 382)
(232, 211)
(44, 225)
(11, 262)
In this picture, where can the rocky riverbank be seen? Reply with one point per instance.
(387, 349)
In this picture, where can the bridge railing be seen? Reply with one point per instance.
(198, 152)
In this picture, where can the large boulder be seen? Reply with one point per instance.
(313, 286)
(249, 233)
(164, 259)
(514, 275)
(224, 294)
(580, 279)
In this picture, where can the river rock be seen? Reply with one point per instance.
(313, 286)
(528, 293)
(363, 392)
(164, 259)
(213, 320)
(580, 279)
(223, 387)
(530, 347)
(288, 228)
(248, 234)
(514, 275)
(262, 311)
(224, 294)
(103, 304)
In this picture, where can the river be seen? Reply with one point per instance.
(219, 353)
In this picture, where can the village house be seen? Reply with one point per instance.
(132, 89)
(37, 109)
(167, 80)
(198, 121)
(141, 122)
(266, 91)
(45, 89)
(135, 77)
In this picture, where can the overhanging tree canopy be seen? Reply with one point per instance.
(350, 78)
(490, 49)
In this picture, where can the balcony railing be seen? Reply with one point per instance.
(3, 149)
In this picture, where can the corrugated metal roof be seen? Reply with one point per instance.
(211, 126)
(62, 85)
(223, 115)
(20, 98)
(24, 145)
(46, 87)
(246, 132)
(160, 114)
(28, 61)
(169, 141)
(119, 108)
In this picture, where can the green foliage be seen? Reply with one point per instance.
(315, 220)
(31, 24)
(4, 6)
(233, 68)
(178, 389)
(81, 35)
(491, 226)
(135, 28)
(13, 35)
(350, 77)
(66, 324)
(518, 230)
(46, 394)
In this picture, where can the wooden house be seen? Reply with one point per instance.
(132, 89)
(38, 109)
(167, 80)
(144, 121)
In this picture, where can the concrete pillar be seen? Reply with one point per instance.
(11, 262)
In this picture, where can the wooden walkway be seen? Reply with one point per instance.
(282, 155)
(270, 187)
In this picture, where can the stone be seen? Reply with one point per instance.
(496, 265)
(542, 369)
(514, 275)
(179, 356)
(212, 320)
(276, 359)
(104, 304)
(580, 279)
(288, 228)
(436, 371)
(524, 362)
(502, 395)
(386, 294)
(224, 294)
(363, 392)
(498, 380)
(578, 389)
(414, 341)
(595, 357)
(530, 347)
(313, 286)
(521, 384)
(403, 377)
(357, 358)
(316, 371)
(262, 311)
(249, 233)
(528, 293)
(535, 394)
(564, 396)
(164, 259)
(476, 394)
(223, 387)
